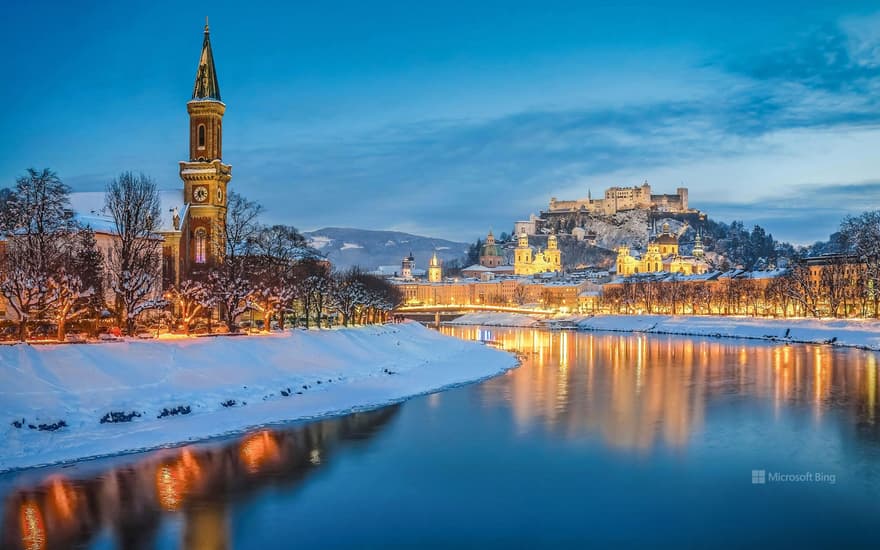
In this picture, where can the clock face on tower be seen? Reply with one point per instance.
(219, 196)
(200, 194)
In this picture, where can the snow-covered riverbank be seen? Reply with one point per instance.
(853, 333)
(155, 393)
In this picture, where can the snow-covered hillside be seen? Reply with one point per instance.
(630, 228)
(64, 402)
(346, 247)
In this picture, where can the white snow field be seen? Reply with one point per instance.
(862, 333)
(323, 373)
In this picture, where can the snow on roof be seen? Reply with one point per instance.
(208, 170)
(88, 208)
(98, 224)
(87, 202)
(503, 269)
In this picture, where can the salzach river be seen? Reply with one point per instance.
(597, 438)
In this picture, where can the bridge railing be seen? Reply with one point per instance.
(471, 307)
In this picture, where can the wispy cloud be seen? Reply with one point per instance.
(839, 58)
(455, 177)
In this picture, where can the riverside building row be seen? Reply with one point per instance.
(835, 286)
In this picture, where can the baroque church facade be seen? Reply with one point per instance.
(194, 216)
(662, 254)
(526, 261)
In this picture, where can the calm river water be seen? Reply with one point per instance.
(601, 438)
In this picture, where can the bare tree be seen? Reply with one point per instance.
(779, 294)
(189, 301)
(66, 295)
(311, 285)
(701, 296)
(37, 223)
(278, 250)
(231, 280)
(673, 291)
(76, 284)
(321, 285)
(860, 235)
(802, 289)
(347, 294)
(23, 285)
(520, 294)
(834, 282)
(135, 258)
(647, 292)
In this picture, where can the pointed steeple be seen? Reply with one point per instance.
(206, 86)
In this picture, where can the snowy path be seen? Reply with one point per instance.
(261, 379)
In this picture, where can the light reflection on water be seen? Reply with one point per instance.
(654, 389)
(646, 436)
(196, 482)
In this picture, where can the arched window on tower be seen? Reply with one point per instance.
(201, 136)
(200, 246)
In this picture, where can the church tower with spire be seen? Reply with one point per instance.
(435, 270)
(204, 175)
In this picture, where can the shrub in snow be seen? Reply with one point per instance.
(119, 416)
(228, 403)
(49, 427)
(174, 411)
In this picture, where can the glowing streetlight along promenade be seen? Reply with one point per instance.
(472, 307)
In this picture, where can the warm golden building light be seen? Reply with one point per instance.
(33, 529)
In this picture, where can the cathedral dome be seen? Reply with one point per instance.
(490, 249)
(666, 238)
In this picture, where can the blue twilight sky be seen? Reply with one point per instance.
(446, 118)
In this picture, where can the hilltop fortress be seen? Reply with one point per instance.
(574, 216)
(620, 199)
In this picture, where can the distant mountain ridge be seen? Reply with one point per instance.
(346, 247)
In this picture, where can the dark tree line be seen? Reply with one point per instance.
(741, 247)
